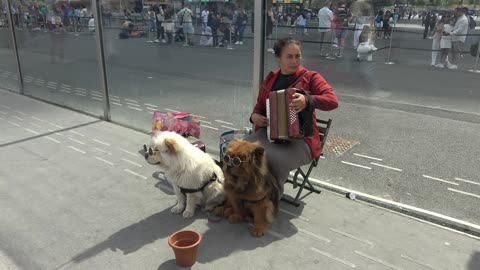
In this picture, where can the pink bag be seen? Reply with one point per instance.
(182, 123)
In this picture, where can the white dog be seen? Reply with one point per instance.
(195, 177)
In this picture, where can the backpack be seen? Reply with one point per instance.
(471, 23)
(378, 19)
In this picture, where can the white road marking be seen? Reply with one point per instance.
(51, 87)
(313, 235)
(276, 234)
(15, 124)
(131, 162)
(467, 181)
(133, 104)
(102, 151)
(2, 112)
(152, 109)
(206, 122)
(150, 105)
(223, 122)
(131, 100)
(18, 118)
(136, 174)
(370, 243)
(38, 119)
(56, 133)
(54, 83)
(81, 89)
(32, 131)
(35, 125)
(417, 262)
(80, 94)
(71, 139)
(199, 116)
(66, 85)
(99, 99)
(464, 193)
(96, 92)
(294, 215)
(171, 110)
(128, 152)
(364, 156)
(105, 161)
(79, 134)
(96, 95)
(208, 127)
(230, 128)
(133, 108)
(118, 104)
(100, 142)
(22, 113)
(440, 180)
(328, 255)
(386, 167)
(377, 260)
(66, 91)
(51, 139)
(117, 97)
(57, 126)
(76, 149)
(356, 165)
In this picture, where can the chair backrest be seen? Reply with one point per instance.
(323, 129)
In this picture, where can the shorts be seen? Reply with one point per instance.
(341, 33)
(188, 28)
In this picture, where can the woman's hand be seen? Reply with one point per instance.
(299, 102)
(259, 120)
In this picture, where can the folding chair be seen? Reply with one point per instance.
(324, 128)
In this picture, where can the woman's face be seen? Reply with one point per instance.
(290, 59)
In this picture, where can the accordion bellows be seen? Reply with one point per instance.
(284, 122)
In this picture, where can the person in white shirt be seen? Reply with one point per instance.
(445, 41)
(205, 13)
(91, 25)
(325, 18)
(459, 35)
(185, 15)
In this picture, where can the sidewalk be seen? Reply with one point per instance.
(75, 193)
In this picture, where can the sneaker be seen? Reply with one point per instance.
(237, 43)
(432, 64)
(240, 43)
(452, 66)
(338, 54)
(374, 48)
(157, 41)
(270, 50)
(440, 65)
(164, 41)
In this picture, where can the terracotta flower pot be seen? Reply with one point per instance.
(185, 245)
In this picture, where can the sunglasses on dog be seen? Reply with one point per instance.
(235, 161)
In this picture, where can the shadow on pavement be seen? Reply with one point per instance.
(474, 263)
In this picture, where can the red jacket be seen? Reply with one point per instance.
(321, 92)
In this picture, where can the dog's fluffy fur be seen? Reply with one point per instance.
(188, 167)
(251, 189)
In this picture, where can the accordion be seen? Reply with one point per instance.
(284, 122)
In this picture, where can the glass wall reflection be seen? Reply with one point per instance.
(57, 53)
(175, 57)
(8, 64)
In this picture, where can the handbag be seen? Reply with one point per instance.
(182, 123)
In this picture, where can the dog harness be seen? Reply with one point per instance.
(193, 190)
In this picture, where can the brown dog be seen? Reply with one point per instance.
(251, 189)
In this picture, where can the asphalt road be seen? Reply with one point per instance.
(417, 124)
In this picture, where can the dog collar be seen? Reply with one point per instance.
(255, 201)
(193, 190)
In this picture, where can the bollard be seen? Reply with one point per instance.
(388, 62)
(475, 68)
(230, 45)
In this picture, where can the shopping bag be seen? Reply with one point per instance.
(182, 123)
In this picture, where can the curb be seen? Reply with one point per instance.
(430, 216)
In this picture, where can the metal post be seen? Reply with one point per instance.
(230, 46)
(258, 47)
(475, 70)
(388, 62)
(11, 24)
(102, 69)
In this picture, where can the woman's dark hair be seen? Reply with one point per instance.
(282, 43)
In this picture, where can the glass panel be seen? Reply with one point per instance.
(8, 65)
(151, 67)
(58, 54)
(404, 130)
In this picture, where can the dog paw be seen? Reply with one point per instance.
(258, 231)
(176, 209)
(235, 218)
(188, 214)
